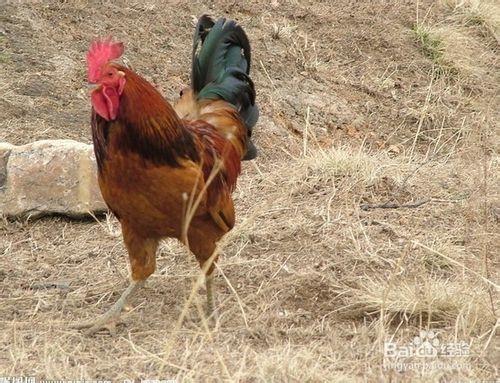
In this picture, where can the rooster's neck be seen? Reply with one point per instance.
(146, 125)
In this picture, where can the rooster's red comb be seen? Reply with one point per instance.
(100, 53)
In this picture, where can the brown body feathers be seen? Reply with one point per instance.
(150, 159)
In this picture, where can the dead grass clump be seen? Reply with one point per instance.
(484, 14)
(283, 30)
(328, 168)
(443, 246)
(467, 56)
(443, 302)
(433, 47)
(457, 53)
(304, 49)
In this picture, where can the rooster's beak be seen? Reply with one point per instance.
(91, 86)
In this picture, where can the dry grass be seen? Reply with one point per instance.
(484, 14)
(296, 309)
(432, 47)
(311, 284)
(456, 51)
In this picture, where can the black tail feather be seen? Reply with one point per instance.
(221, 68)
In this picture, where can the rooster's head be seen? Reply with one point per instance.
(109, 80)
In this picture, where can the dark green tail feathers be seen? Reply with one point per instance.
(221, 67)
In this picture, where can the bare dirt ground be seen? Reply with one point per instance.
(362, 104)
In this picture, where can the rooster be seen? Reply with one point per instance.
(169, 172)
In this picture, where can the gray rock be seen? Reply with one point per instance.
(49, 177)
(5, 150)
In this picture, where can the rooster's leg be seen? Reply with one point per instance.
(142, 256)
(203, 247)
(209, 285)
(111, 318)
